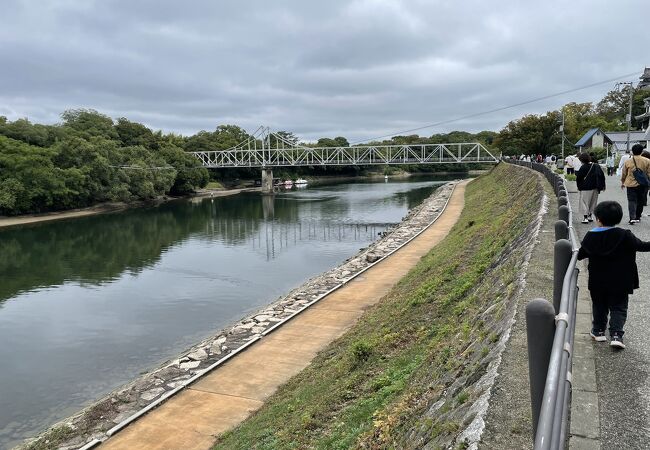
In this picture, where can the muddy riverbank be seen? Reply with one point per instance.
(105, 208)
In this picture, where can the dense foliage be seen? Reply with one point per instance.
(88, 159)
(533, 134)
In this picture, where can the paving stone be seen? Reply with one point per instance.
(584, 374)
(581, 443)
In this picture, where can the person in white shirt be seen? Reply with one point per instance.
(568, 162)
(609, 163)
(624, 158)
(576, 163)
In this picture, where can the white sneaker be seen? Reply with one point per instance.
(617, 342)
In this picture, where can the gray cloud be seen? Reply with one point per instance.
(359, 68)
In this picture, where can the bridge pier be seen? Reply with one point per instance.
(267, 181)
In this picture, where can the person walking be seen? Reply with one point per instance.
(636, 192)
(591, 181)
(568, 163)
(613, 273)
(610, 164)
(621, 161)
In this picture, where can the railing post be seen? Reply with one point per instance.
(562, 201)
(561, 259)
(563, 213)
(540, 330)
(561, 230)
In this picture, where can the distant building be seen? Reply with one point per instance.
(612, 140)
(619, 139)
(645, 79)
(593, 138)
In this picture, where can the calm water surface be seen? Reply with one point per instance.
(88, 304)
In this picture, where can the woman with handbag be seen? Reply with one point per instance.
(591, 181)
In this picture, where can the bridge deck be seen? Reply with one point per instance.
(460, 153)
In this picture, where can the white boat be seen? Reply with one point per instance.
(288, 183)
(301, 181)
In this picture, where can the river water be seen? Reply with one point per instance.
(90, 303)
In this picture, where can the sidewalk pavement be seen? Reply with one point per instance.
(612, 409)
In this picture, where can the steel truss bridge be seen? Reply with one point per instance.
(266, 149)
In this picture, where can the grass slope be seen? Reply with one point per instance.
(402, 377)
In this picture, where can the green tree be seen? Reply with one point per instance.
(223, 138)
(615, 105)
(532, 134)
(189, 173)
(88, 123)
(133, 133)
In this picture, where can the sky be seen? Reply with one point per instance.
(361, 69)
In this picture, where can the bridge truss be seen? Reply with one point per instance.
(266, 149)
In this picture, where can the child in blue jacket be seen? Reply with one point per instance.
(613, 273)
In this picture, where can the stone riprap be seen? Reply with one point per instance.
(94, 421)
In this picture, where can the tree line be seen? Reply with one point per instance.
(89, 158)
(539, 134)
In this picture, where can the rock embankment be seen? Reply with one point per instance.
(93, 422)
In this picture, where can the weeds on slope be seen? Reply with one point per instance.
(392, 380)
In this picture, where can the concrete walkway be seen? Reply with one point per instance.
(621, 417)
(228, 395)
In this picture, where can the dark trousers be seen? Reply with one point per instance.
(636, 201)
(606, 303)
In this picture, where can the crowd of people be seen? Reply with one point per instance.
(590, 177)
(633, 168)
(611, 250)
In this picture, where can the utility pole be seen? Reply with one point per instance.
(562, 130)
(628, 116)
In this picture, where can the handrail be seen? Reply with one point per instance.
(553, 414)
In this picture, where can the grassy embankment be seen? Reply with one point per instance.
(404, 375)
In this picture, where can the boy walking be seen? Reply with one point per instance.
(612, 256)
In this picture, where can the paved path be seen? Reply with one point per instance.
(623, 381)
(229, 394)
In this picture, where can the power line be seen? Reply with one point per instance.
(144, 168)
(444, 122)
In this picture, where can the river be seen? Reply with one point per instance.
(88, 304)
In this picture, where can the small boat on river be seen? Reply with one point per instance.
(301, 181)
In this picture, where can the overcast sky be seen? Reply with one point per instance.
(359, 69)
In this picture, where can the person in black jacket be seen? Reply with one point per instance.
(591, 181)
(612, 269)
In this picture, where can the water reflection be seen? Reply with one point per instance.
(100, 249)
(87, 304)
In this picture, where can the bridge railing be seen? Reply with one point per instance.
(551, 329)
(472, 152)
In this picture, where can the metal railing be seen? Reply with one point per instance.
(551, 329)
